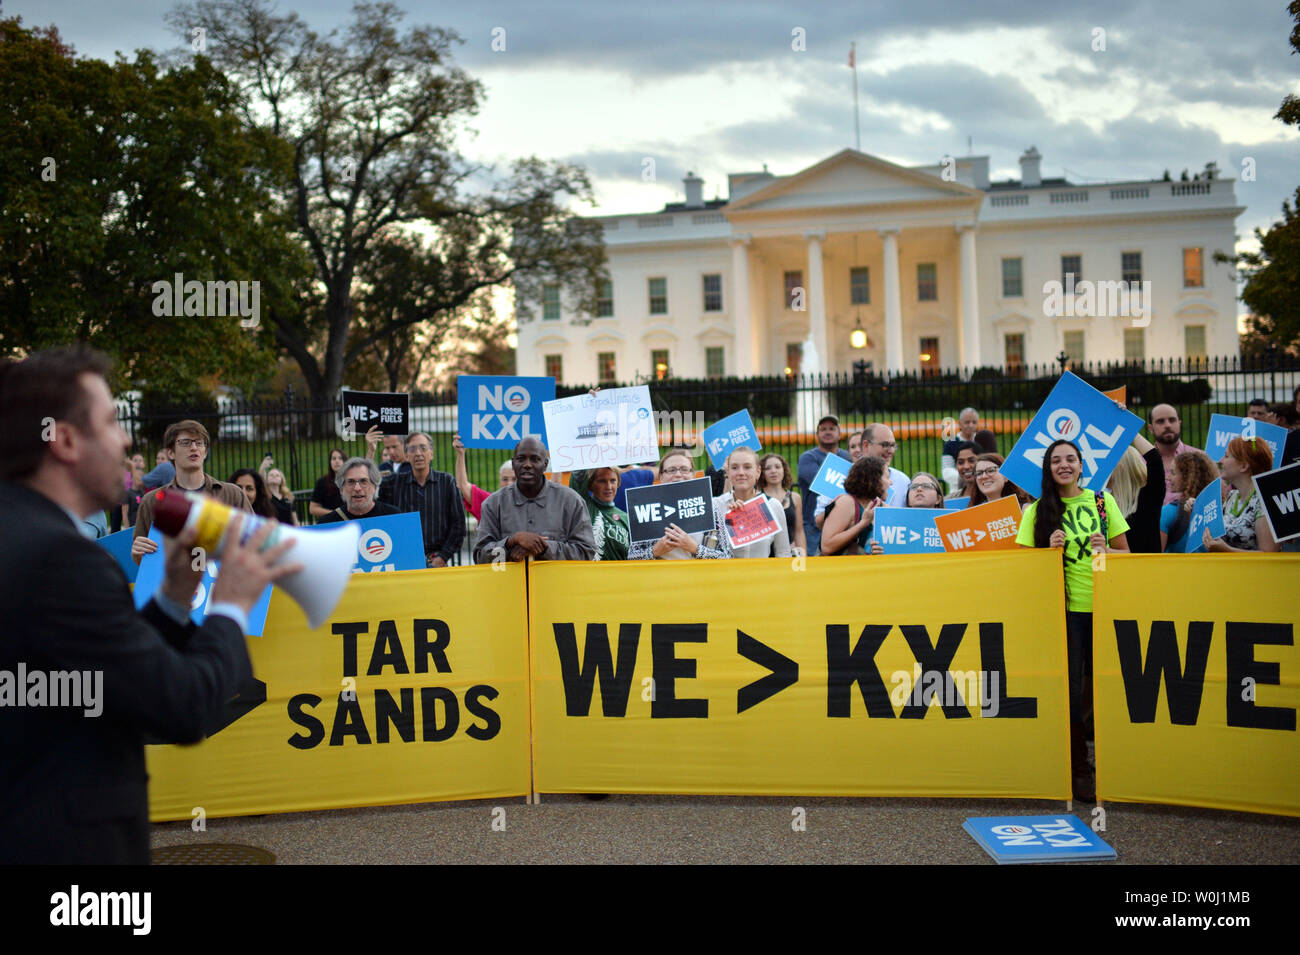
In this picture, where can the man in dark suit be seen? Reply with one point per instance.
(72, 767)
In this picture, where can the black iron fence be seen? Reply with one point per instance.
(299, 434)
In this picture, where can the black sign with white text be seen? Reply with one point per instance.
(1279, 492)
(688, 504)
(365, 409)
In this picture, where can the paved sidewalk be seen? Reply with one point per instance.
(727, 829)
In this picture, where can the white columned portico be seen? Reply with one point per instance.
(970, 318)
(893, 304)
(817, 300)
(743, 321)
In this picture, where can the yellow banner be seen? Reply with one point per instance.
(1198, 681)
(416, 689)
(907, 675)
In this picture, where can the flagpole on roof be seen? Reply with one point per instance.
(857, 133)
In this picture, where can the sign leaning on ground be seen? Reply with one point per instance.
(365, 409)
(688, 504)
(1279, 492)
(497, 411)
(1074, 411)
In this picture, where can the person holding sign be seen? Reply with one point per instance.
(924, 491)
(1245, 526)
(777, 484)
(1193, 472)
(990, 483)
(742, 472)
(1082, 524)
(676, 466)
(848, 522)
(597, 488)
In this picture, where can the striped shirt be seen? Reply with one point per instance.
(438, 502)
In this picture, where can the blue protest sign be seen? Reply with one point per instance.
(1207, 512)
(829, 481)
(1223, 428)
(1010, 839)
(150, 578)
(1074, 411)
(907, 530)
(733, 431)
(496, 411)
(119, 545)
(957, 503)
(391, 542)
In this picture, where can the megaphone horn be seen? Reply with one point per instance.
(327, 556)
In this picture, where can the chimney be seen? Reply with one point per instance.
(694, 191)
(1030, 169)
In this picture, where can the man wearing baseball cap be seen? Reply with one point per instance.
(810, 462)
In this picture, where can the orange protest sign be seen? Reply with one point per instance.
(1119, 394)
(990, 526)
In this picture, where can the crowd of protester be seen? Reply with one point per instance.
(1152, 490)
(532, 513)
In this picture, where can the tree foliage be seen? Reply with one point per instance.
(116, 176)
(402, 232)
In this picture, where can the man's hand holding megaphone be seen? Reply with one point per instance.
(245, 568)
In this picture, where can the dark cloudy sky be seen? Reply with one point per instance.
(718, 88)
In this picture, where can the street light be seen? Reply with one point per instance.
(858, 337)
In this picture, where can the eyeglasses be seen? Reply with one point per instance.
(418, 449)
(186, 443)
(925, 485)
(678, 471)
(357, 482)
(887, 445)
(985, 472)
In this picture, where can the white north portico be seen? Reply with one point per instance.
(936, 265)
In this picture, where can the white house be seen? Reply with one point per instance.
(938, 267)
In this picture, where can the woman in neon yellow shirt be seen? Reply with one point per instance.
(1067, 516)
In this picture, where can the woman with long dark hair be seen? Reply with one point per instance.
(251, 483)
(326, 497)
(1080, 523)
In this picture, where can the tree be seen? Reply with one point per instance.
(115, 177)
(1272, 289)
(1289, 111)
(377, 184)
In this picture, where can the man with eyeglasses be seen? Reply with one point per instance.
(358, 481)
(878, 442)
(431, 494)
(186, 443)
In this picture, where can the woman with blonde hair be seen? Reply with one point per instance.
(281, 497)
(1138, 486)
(743, 477)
